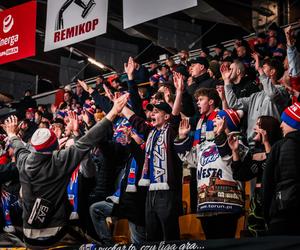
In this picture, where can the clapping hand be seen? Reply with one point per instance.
(129, 68)
(289, 36)
(11, 126)
(178, 82)
(108, 92)
(226, 73)
(84, 85)
(168, 96)
(255, 56)
(221, 92)
(184, 128)
(73, 122)
(220, 125)
(120, 102)
(263, 134)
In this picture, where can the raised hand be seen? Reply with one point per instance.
(226, 73)
(119, 103)
(129, 68)
(184, 128)
(263, 134)
(108, 93)
(167, 96)
(84, 85)
(220, 125)
(11, 126)
(289, 36)
(233, 143)
(73, 121)
(221, 92)
(178, 82)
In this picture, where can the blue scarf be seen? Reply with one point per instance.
(155, 170)
(131, 179)
(72, 190)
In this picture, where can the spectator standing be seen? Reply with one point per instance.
(281, 183)
(270, 101)
(45, 173)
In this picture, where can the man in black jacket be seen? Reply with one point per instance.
(281, 182)
(201, 78)
(243, 86)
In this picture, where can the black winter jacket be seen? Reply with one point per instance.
(47, 177)
(132, 204)
(281, 181)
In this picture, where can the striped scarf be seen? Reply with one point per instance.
(205, 127)
(155, 170)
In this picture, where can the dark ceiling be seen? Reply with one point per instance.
(47, 64)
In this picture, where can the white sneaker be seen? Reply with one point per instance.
(9, 229)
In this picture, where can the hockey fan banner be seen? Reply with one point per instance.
(72, 21)
(140, 11)
(17, 32)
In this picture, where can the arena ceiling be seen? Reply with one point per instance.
(214, 17)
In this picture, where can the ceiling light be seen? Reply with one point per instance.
(98, 64)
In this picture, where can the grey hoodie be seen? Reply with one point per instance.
(271, 101)
(47, 176)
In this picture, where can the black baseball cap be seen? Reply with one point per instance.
(201, 60)
(182, 70)
(161, 106)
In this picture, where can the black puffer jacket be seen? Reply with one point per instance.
(281, 182)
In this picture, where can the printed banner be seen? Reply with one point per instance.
(17, 32)
(72, 21)
(140, 11)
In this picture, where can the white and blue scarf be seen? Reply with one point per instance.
(155, 170)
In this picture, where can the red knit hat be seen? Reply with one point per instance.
(30, 110)
(44, 140)
(144, 104)
(232, 118)
(112, 78)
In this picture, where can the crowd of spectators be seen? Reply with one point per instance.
(117, 149)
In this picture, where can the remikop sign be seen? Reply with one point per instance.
(17, 32)
(72, 21)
